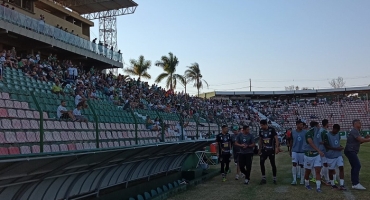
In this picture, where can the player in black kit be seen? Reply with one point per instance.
(224, 143)
(268, 148)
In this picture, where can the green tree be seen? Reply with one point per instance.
(168, 64)
(194, 75)
(183, 80)
(139, 67)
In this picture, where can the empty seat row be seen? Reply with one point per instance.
(25, 124)
(13, 104)
(47, 148)
(126, 135)
(68, 125)
(24, 114)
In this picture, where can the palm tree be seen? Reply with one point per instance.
(194, 75)
(139, 67)
(183, 80)
(168, 64)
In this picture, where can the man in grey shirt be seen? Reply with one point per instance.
(354, 140)
(245, 141)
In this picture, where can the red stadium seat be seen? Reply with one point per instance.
(13, 150)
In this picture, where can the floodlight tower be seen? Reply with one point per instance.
(108, 34)
(108, 20)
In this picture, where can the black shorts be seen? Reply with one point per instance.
(225, 157)
(64, 116)
(270, 154)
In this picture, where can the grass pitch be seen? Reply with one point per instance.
(235, 190)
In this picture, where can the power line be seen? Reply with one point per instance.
(287, 80)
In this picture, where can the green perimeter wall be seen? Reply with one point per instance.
(122, 193)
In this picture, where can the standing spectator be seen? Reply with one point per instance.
(354, 140)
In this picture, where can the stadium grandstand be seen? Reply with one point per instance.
(284, 107)
(69, 131)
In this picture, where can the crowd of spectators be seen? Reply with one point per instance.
(84, 82)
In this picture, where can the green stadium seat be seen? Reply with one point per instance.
(175, 184)
(165, 188)
(153, 193)
(139, 197)
(159, 191)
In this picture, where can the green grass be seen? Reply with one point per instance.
(235, 190)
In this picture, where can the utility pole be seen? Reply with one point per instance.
(250, 85)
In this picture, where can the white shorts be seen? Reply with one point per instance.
(310, 162)
(336, 162)
(324, 160)
(298, 158)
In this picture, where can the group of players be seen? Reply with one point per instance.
(313, 149)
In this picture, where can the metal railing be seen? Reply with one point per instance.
(41, 27)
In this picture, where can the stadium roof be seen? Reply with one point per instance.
(93, 6)
(283, 93)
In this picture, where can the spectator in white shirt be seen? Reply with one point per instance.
(80, 99)
(63, 113)
(77, 113)
(71, 72)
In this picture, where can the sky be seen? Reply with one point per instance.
(275, 43)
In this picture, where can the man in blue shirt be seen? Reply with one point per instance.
(334, 156)
(297, 153)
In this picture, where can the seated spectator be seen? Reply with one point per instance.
(63, 113)
(77, 113)
(57, 89)
(150, 125)
(1, 71)
(80, 99)
(93, 94)
(157, 123)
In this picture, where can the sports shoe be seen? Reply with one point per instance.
(308, 187)
(342, 187)
(358, 187)
(334, 187)
(313, 180)
(328, 183)
(336, 182)
(318, 190)
(246, 181)
(294, 183)
(263, 181)
(223, 179)
(237, 177)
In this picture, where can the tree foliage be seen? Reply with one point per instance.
(194, 75)
(139, 67)
(337, 82)
(168, 64)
